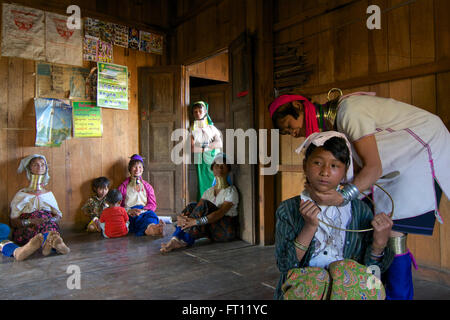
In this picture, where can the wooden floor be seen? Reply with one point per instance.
(131, 268)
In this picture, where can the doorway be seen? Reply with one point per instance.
(208, 82)
(225, 81)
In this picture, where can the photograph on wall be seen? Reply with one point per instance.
(53, 121)
(87, 119)
(121, 35)
(112, 86)
(23, 32)
(133, 38)
(63, 45)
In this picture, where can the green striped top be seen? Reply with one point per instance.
(357, 245)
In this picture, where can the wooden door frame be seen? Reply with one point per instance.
(185, 111)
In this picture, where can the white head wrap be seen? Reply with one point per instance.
(24, 167)
(318, 139)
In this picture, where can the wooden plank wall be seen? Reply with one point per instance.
(388, 61)
(77, 161)
(215, 68)
(203, 28)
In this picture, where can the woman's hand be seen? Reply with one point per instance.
(37, 221)
(309, 211)
(328, 198)
(186, 222)
(382, 225)
(134, 212)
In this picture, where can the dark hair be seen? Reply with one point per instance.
(337, 146)
(113, 196)
(224, 160)
(133, 162)
(100, 182)
(33, 160)
(287, 109)
(197, 105)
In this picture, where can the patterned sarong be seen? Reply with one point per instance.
(344, 280)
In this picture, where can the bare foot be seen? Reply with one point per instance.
(60, 246)
(24, 252)
(54, 241)
(47, 247)
(173, 244)
(155, 229)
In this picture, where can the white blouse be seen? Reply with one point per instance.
(329, 242)
(136, 196)
(229, 194)
(26, 203)
(414, 144)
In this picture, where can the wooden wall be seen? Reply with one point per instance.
(408, 59)
(215, 68)
(77, 161)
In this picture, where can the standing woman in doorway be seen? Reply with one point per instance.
(402, 147)
(206, 142)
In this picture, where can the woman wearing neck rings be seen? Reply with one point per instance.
(214, 216)
(399, 146)
(35, 214)
(206, 141)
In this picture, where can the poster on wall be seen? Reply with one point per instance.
(156, 43)
(87, 119)
(90, 48)
(23, 32)
(53, 121)
(104, 52)
(92, 28)
(112, 86)
(144, 41)
(106, 31)
(61, 82)
(63, 45)
(133, 38)
(121, 35)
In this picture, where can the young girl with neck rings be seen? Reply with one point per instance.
(402, 147)
(310, 234)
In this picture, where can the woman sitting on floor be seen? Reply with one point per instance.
(138, 198)
(34, 210)
(322, 251)
(214, 216)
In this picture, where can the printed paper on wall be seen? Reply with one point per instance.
(23, 32)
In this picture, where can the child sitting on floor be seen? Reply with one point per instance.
(114, 219)
(96, 203)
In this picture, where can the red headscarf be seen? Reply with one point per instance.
(311, 125)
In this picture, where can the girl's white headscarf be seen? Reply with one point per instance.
(318, 139)
(24, 167)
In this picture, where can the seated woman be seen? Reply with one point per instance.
(315, 242)
(138, 198)
(34, 210)
(214, 216)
